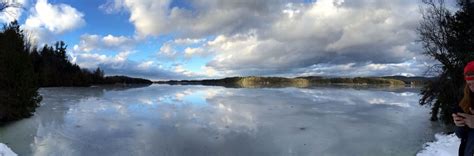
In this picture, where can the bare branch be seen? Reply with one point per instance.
(4, 4)
(11, 9)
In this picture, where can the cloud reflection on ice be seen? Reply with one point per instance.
(203, 120)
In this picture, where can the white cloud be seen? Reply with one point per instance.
(112, 6)
(331, 37)
(206, 17)
(145, 65)
(326, 32)
(120, 64)
(89, 42)
(12, 13)
(168, 50)
(47, 19)
(190, 52)
(56, 18)
(179, 69)
(110, 40)
(188, 41)
(210, 72)
(92, 60)
(191, 48)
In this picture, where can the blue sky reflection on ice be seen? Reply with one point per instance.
(204, 120)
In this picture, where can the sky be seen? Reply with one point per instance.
(202, 39)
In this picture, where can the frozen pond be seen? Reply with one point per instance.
(207, 120)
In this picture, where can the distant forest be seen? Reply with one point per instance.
(52, 67)
(24, 69)
(302, 82)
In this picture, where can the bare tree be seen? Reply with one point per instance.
(5, 4)
(447, 38)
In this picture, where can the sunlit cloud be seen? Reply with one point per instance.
(46, 19)
(214, 38)
(89, 43)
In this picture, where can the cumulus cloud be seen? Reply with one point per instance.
(169, 49)
(286, 37)
(190, 52)
(48, 19)
(204, 17)
(326, 33)
(120, 64)
(89, 43)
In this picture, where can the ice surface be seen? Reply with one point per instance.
(204, 120)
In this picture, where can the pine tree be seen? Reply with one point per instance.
(18, 83)
(98, 76)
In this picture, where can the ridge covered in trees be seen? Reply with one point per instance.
(255, 82)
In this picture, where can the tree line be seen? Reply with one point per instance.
(18, 81)
(52, 68)
(24, 69)
(307, 81)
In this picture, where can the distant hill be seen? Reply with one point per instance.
(124, 80)
(256, 82)
(417, 80)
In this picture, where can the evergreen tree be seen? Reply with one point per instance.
(54, 68)
(98, 76)
(18, 82)
(449, 39)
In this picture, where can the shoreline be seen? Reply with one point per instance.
(443, 145)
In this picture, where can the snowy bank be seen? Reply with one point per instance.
(445, 145)
(5, 151)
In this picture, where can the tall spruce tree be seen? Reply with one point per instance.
(18, 84)
(448, 38)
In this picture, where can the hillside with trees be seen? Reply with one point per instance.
(416, 80)
(301, 82)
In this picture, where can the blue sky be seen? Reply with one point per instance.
(197, 39)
